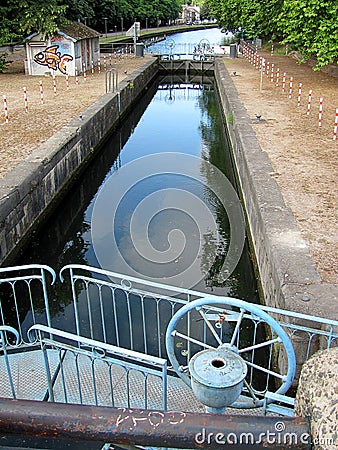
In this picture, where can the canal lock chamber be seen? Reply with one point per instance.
(66, 236)
(199, 132)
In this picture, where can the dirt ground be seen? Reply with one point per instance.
(304, 155)
(25, 131)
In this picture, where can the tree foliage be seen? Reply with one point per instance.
(18, 18)
(310, 26)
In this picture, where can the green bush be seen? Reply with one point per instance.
(4, 62)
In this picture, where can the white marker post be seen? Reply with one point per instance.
(261, 77)
(5, 109)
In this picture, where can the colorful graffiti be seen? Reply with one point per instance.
(53, 59)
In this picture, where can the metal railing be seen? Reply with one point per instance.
(7, 334)
(74, 369)
(181, 49)
(184, 57)
(116, 48)
(122, 310)
(98, 290)
(24, 297)
(111, 80)
(154, 428)
(133, 314)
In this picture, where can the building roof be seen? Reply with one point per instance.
(78, 31)
(74, 31)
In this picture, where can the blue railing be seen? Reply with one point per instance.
(84, 371)
(24, 297)
(96, 316)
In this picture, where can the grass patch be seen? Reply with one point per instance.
(230, 118)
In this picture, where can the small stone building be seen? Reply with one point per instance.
(75, 46)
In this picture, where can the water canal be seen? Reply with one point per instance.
(181, 119)
(158, 200)
(185, 43)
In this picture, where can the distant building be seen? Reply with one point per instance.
(75, 46)
(191, 14)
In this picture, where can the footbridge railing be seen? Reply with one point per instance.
(91, 315)
(140, 429)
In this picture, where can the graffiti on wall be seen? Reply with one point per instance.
(52, 58)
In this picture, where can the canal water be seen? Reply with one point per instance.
(157, 202)
(185, 43)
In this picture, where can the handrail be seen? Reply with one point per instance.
(117, 351)
(111, 80)
(191, 293)
(27, 291)
(29, 266)
(155, 428)
(7, 329)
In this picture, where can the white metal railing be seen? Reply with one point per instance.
(121, 310)
(182, 49)
(7, 334)
(99, 294)
(24, 297)
(133, 315)
(111, 80)
(75, 369)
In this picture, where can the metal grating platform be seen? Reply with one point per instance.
(80, 380)
(28, 374)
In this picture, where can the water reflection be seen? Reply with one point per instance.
(182, 118)
(187, 42)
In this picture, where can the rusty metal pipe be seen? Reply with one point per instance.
(151, 427)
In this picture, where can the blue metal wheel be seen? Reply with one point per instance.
(241, 327)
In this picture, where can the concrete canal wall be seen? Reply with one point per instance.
(288, 276)
(30, 189)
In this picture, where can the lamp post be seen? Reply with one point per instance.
(122, 24)
(105, 25)
(85, 20)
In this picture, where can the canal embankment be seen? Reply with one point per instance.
(288, 276)
(29, 191)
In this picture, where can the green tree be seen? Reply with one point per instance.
(256, 17)
(311, 26)
(83, 10)
(43, 16)
(259, 18)
(94, 12)
(154, 10)
(227, 13)
(9, 24)
(22, 17)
